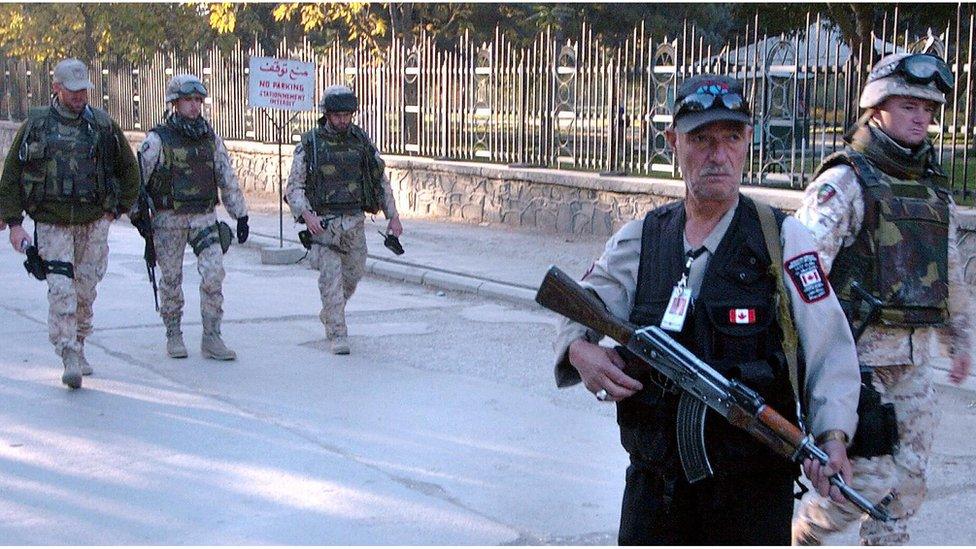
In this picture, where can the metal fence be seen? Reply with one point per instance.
(574, 104)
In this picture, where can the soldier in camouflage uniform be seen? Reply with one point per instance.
(184, 164)
(72, 171)
(883, 219)
(336, 176)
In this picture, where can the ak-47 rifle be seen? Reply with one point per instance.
(700, 386)
(144, 224)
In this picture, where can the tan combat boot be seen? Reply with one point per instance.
(86, 369)
(212, 346)
(339, 345)
(72, 369)
(175, 347)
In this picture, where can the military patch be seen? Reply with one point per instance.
(742, 316)
(808, 277)
(826, 192)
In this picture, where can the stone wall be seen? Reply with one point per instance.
(552, 201)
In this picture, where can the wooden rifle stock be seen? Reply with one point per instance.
(770, 428)
(561, 294)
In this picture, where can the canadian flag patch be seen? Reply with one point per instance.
(742, 316)
(808, 277)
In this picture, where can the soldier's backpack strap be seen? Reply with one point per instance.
(791, 345)
(36, 118)
(866, 174)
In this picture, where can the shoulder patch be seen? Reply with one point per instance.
(808, 276)
(826, 192)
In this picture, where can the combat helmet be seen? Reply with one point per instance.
(920, 75)
(338, 98)
(183, 85)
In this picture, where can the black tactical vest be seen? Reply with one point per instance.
(900, 256)
(342, 174)
(185, 178)
(737, 278)
(64, 159)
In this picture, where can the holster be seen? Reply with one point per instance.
(877, 425)
(39, 268)
(219, 232)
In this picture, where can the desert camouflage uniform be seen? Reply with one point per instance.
(339, 254)
(86, 247)
(173, 231)
(70, 229)
(902, 358)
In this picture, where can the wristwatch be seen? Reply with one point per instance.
(833, 434)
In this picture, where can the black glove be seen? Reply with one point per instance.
(242, 230)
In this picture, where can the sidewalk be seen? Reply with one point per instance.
(493, 261)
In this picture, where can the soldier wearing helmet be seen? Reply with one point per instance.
(184, 164)
(71, 170)
(886, 228)
(336, 177)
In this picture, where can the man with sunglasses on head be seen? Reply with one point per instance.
(184, 164)
(709, 250)
(886, 228)
(72, 171)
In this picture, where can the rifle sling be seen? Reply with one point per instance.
(771, 234)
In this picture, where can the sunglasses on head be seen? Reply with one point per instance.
(923, 68)
(704, 100)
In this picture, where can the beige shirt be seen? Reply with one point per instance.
(832, 380)
(835, 222)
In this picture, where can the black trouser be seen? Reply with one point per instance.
(727, 510)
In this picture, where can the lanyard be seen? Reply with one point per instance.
(690, 256)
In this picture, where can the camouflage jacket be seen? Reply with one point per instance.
(230, 190)
(299, 185)
(95, 170)
(833, 208)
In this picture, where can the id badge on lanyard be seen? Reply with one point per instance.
(677, 309)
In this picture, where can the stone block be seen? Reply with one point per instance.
(289, 255)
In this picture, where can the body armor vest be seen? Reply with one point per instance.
(343, 176)
(738, 277)
(185, 179)
(900, 256)
(64, 159)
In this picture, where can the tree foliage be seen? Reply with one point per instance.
(85, 30)
(855, 21)
(135, 31)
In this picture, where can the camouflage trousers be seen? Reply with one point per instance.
(85, 246)
(171, 234)
(339, 254)
(909, 387)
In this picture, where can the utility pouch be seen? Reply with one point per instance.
(877, 425)
(39, 268)
(219, 232)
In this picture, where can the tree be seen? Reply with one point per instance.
(855, 21)
(321, 22)
(88, 31)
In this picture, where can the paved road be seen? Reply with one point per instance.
(442, 427)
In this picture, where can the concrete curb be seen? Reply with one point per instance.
(426, 275)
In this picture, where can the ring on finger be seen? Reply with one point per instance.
(602, 395)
